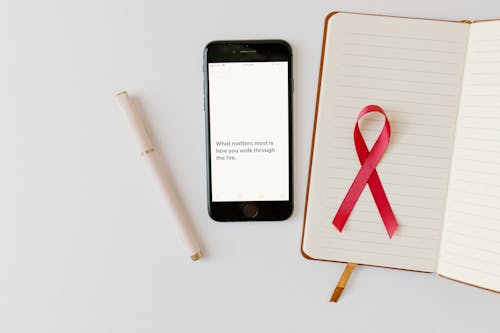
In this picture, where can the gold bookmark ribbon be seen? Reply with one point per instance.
(344, 278)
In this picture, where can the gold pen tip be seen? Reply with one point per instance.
(196, 256)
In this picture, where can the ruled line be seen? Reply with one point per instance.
(405, 224)
(417, 136)
(458, 211)
(477, 161)
(420, 166)
(390, 110)
(410, 175)
(481, 95)
(396, 100)
(485, 73)
(347, 228)
(396, 90)
(487, 40)
(420, 186)
(472, 225)
(475, 204)
(480, 172)
(391, 47)
(486, 118)
(342, 167)
(405, 37)
(375, 252)
(479, 139)
(395, 204)
(475, 182)
(400, 69)
(481, 128)
(391, 244)
(485, 62)
(472, 247)
(394, 123)
(371, 56)
(480, 150)
(490, 195)
(426, 82)
(370, 213)
(422, 214)
(485, 51)
(400, 112)
(475, 258)
(399, 132)
(411, 154)
(469, 236)
(483, 84)
(481, 106)
(388, 183)
(474, 269)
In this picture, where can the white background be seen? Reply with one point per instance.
(84, 241)
(249, 102)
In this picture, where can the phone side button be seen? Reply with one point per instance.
(250, 211)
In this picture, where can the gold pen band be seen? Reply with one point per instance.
(148, 151)
(196, 256)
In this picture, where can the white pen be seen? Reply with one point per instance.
(181, 222)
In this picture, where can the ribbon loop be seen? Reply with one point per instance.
(367, 174)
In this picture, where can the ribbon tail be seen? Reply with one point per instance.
(383, 205)
(351, 197)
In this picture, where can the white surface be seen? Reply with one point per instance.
(84, 246)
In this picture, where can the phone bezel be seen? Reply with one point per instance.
(249, 51)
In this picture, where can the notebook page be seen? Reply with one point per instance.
(413, 69)
(471, 238)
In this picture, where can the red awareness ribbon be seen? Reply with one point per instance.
(368, 174)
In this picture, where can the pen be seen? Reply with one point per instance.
(148, 152)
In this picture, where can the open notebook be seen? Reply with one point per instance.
(439, 83)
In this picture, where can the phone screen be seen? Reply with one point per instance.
(249, 127)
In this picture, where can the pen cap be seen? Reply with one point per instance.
(135, 121)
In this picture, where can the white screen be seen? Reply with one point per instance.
(249, 131)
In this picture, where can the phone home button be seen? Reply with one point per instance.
(250, 211)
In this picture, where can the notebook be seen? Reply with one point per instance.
(439, 83)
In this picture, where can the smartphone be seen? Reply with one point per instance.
(248, 105)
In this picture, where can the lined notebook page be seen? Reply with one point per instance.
(413, 69)
(471, 239)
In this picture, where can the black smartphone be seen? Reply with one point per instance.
(248, 106)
